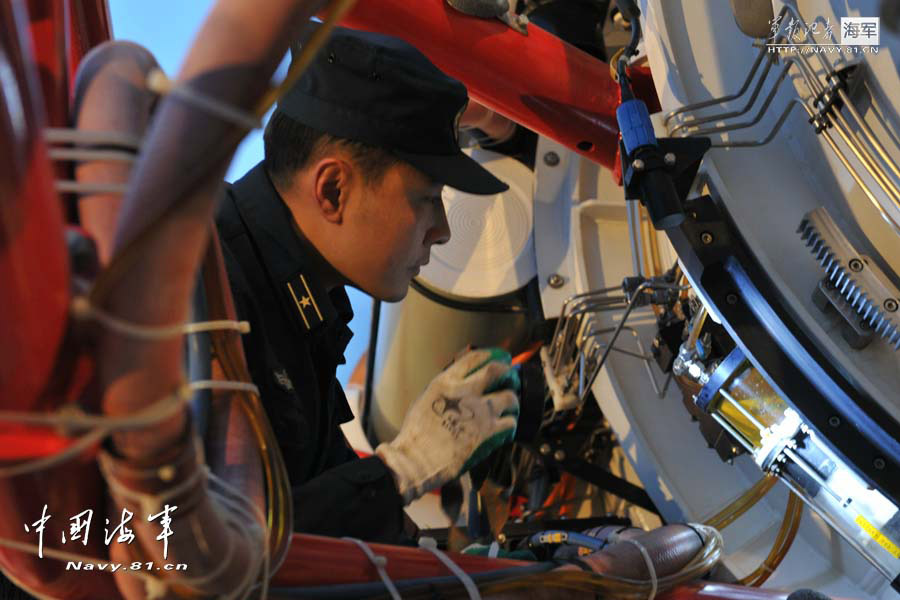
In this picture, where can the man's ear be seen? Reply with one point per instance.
(332, 188)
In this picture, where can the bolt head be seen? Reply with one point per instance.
(501, 538)
(890, 305)
(556, 281)
(551, 159)
(544, 449)
(855, 265)
(834, 421)
(669, 159)
(731, 299)
(879, 463)
(637, 164)
(707, 238)
(559, 456)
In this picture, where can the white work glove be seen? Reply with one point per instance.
(454, 424)
(556, 383)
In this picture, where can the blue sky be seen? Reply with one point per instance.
(167, 28)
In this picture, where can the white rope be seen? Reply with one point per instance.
(84, 137)
(101, 426)
(90, 154)
(250, 511)
(430, 544)
(72, 418)
(82, 309)
(67, 186)
(654, 581)
(158, 82)
(379, 562)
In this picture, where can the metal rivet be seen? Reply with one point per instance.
(669, 158)
(501, 538)
(559, 456)
(834, 421)
(556, 281)
(544, 449)
(856, 265)
(551, 159)
(731, 299)
(878, 463)
(637, 164)
(706, 237)
(890, 305)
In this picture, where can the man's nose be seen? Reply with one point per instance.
(440, 231)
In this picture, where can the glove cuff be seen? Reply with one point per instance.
(409, 474)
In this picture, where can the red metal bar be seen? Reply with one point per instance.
(537, 80)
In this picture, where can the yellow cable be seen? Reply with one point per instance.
(339, 8)
(783, 541)
(743, 503)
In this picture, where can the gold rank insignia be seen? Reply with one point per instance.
(305, 302)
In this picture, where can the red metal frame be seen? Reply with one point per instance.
(537, 80)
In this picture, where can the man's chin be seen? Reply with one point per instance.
(396, 296)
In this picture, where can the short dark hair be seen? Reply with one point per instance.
(291, 145)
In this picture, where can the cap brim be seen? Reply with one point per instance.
(456, 170)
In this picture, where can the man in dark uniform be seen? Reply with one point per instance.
(349, 193)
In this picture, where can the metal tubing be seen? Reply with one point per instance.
(759, 114)
(721, 99)
(735, 113)
(734, 432)
(631, 304)
(747, 414)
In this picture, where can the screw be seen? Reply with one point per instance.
(890, 305)
(637, 164)
(864, 325)
(669, 158)
(834, 421)
(556, 281)
(551, 159)
(559, 456)
(856, 265)
(706, 237)
(544, 449)
(731, 299)
(501, 538)
(879, 463)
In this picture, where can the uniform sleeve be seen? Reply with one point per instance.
(356, 499)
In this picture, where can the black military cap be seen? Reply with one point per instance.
(381, 91)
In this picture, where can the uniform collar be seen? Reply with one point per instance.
(287, 262)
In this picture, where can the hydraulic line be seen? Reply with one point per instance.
(783, 541)
(743, 503)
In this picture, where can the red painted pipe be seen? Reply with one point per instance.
(316, 560)
(537, 80)
(34, 278)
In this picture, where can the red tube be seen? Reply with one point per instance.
(536, 80)
(315, 560)
(48, 35)
(34, 278)
(34, 298)
(705, 590)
